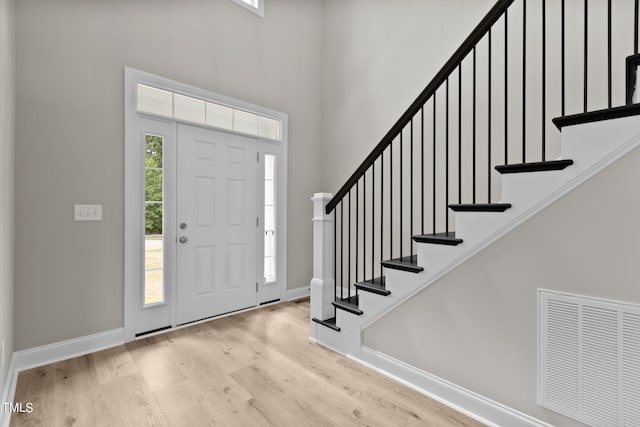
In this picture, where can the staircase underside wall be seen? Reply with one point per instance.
(477, 326)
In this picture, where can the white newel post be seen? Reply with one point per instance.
(323, 282)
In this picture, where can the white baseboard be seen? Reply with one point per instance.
(294, 294)
(51, 353)
(8, 391)
(476, 406)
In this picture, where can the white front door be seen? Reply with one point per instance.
(217, 223)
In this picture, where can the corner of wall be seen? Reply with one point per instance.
(7, 144)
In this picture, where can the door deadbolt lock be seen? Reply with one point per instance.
(183, 225)
(183, 239)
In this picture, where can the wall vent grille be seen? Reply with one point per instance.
(590, 359)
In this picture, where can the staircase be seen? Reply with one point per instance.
(434, 192)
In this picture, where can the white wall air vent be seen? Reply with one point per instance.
(589, 359)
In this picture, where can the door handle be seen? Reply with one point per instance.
(183, 239)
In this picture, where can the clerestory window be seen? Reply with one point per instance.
(255, 6)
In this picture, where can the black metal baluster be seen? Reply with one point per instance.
(506, 86)
(401, 194)
(391, 200)
(586, 52)
(473, 166)
(489, 123)
(381, 211)
(411, 192)
(364, 226)
(335, 258)
(524, 81)
(609, 60)
(342, 249)
(349, 254)
(636, 8)
(459, 133)
(373, 220)
(422, 166)
(544, 80)
(434, 163)
(562, 57)
(357, 229)
(446, 198)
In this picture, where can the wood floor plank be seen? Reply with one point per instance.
(113, 363)
(253, 369)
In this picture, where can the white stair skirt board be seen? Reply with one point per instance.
(467, 402)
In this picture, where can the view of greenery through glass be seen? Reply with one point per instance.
(153, 201)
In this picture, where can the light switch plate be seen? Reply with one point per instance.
(87, 212)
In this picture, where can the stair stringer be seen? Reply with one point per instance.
(592, 146)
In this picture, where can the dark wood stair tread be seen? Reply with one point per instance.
(408, 263)
(376, 286)
(348, 304)
(596, 116)
(481, 207)
(329, 323)
(439, 239)
(552, 165)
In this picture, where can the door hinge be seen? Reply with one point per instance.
(257, 221)
(257, 157)
(256, 286)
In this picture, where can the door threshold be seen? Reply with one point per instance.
(166, 329)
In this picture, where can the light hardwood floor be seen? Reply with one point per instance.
(253, 369)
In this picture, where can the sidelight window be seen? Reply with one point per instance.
(153, 220)
(269, 218)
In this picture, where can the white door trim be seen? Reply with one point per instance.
(134, 219)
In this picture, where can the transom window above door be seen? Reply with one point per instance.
(165, 103)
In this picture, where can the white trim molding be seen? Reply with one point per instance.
(472, 404)
(297, 293)
(63, 350)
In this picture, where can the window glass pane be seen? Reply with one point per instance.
(268, 128)
(269, 218)
(219, 116)
(187, 108)
(153, 272)
(268, 193)
(153, 219)
(245, 122)
(269, 269)
(156, 101)
(269, 166)
(153, 151)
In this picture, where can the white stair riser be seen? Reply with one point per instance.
(372, 304)
(402, 282)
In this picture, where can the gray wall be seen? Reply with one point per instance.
(70, 134)
(380, 55)
(476, 327)
(7, 87)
